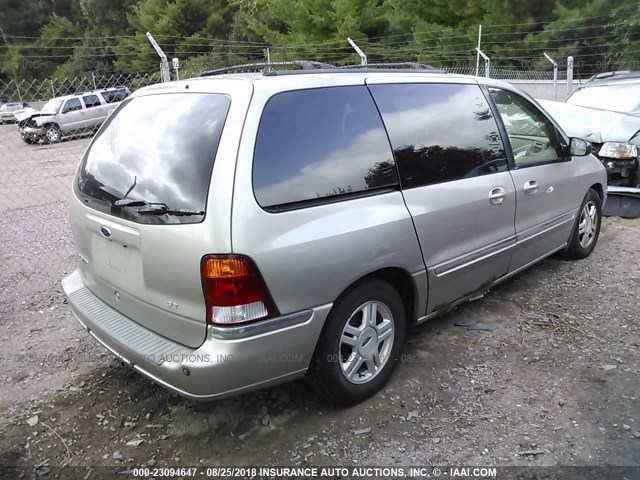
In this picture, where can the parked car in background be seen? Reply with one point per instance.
(605, 111)
(8, 111)
(70, 115)
(238, 231)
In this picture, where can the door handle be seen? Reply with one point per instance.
(530, 187)
(497, 195)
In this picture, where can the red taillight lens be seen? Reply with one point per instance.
(233, 290)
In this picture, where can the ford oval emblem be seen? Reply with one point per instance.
(106, 233)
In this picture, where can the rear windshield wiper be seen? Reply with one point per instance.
(168, 211)
(156, 208)
(136, 203)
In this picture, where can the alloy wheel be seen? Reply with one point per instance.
(366, 342)
(588, 225)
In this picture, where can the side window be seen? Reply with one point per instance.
(320, 143)
(440, 132)
(72, 105)
(91, 101)
(532, 136)
(114, 96)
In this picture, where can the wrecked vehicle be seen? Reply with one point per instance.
(605, 111)
(70, 115)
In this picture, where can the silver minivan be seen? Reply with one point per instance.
(239, 231)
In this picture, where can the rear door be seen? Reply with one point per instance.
(157, 152)
(455, 181)
(548, 186)
(95, 111)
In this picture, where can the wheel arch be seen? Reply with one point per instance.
(402, 281)
(599, 190)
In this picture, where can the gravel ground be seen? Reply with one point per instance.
(555, 383)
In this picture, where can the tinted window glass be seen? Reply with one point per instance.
(319, 143)
(159, 149)
(91, 101)
(113, 96)
(532, 137)
(440, 132)
(72, 105)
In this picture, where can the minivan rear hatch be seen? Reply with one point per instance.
(140, 220)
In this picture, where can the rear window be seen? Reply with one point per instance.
(159, 150)
(321, 143)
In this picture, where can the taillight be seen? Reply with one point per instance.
(234, 291)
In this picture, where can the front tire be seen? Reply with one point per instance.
(361, 343)
(587, 229)
(52, 135)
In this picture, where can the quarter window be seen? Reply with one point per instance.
(440, 132)
(91, 101)
(532, 136)
(314, 144)
(114, 96)
(72, 105)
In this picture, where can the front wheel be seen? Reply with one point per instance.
(52, 135)
(587, 229)
(360, 344)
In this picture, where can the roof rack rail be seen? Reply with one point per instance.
(392, 65)
(256, 67)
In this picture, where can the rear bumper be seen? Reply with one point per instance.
(229, 362)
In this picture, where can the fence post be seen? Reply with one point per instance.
(555, 76)
(53, 90)
(569, 75)
(93, 77)
(165, 75)
(363, 57)
(487, 63)
(478, 50)
(18, 91)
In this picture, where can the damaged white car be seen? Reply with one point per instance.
(605, 111)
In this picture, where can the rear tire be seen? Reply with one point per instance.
(360, 344)
(587, 228)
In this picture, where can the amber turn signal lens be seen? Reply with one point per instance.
(225, 268)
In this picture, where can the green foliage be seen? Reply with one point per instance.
(60, 38)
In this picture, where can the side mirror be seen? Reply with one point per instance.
(579, 147)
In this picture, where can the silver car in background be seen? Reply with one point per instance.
(239, 231)
(8, 111)
(70, 115)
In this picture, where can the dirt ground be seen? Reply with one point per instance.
(555, 383)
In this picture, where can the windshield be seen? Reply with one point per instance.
(619, 98)
(52, 106)
(157, 150)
